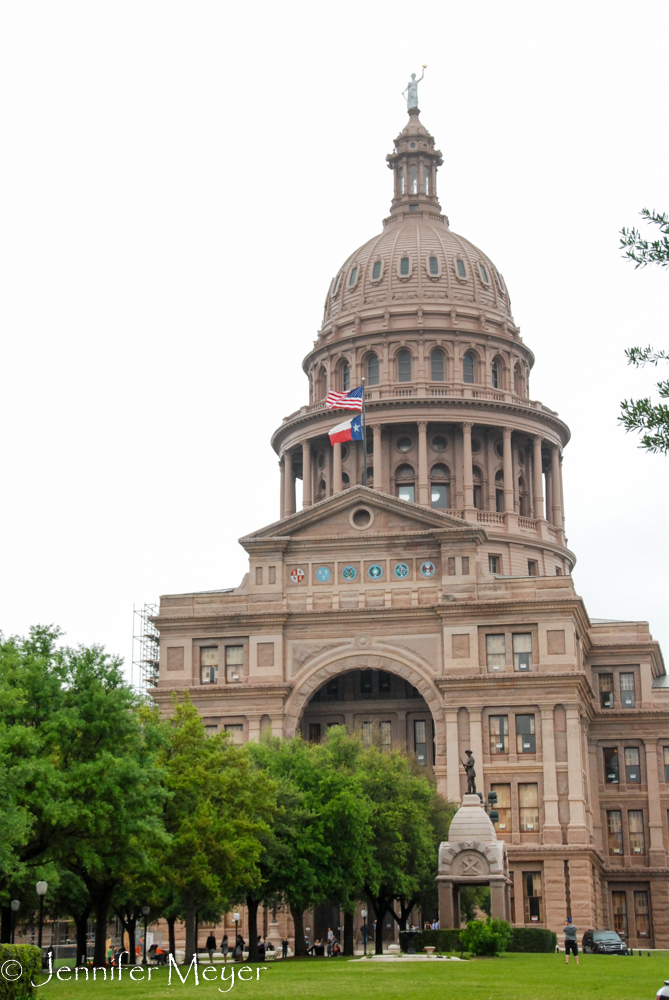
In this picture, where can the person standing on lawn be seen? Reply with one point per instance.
(570, 943)
(211, 946)
(224, 949)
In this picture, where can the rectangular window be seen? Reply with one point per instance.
(406, 492)
(209, 664)
(665, 751)
(494, 564)
(627, 695)
(525, 736)
(211, 730)
(632, 768)
(332, 689)
(611, 773)
(386, 731)
(533, 894)
(606, 690)
(614, 826)
(258, 576)
(528, 801)
(234, 664)
(478, 497)
(532, 567)
(641, 914)
(503, 807)
(495, 652)
(522, 651)
(619, 907)
(420, 740)
(367, 734)
(635, 823)
(314, 732)
(499, 734)
(439, 496)
(384, 682)
(451, 572)
(236, 732)
(365, 682)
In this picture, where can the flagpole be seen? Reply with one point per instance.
(364, 438)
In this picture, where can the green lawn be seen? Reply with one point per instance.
(511, 977)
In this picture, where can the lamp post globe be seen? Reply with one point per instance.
(145, 910)
(14, 906)
(41, 889)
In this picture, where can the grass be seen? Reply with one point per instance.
(510, 977)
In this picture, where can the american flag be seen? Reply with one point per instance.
(345, 400)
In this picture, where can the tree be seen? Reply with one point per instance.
(650, 419)
(217, 809)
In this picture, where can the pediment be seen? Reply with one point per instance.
(336, 516)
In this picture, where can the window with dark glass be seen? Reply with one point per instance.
(635, 827)
(384, 682)
(528, 804)
(665, 751)
(386, 734)
(503, 806)
(439, 496)
(236, 732)
(614, 826)
(314, 732)
(494, 564)
(209, 664)
(405, 488)
(367, 733)
(522, 651)
(345, 376)
(404, 266)
(420, 740)
(484, 273)
(641, 914)
(365, 682)
(611, 772)
(434, 265)
(372, 370)
(332, 689)
(468, 368)
(525, 735)
(376, 270)
(461, 269)
(499, 734)
(532, 892)
(632, 766)
(619, 907)
(495, 374)
(404, 366)
(532, 567)
(606, 690)
(354, 275)
(495, 647)
(437, 365)
(627, 693)
(234, 664)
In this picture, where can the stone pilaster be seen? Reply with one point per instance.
(552, 831)
(555, 895)
(656, 852)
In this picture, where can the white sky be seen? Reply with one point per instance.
(180, 181)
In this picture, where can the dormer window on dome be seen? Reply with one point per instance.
(376, 270)
(433, 266)
(354, 277)
(484, 274)
(405, 267)
(460, 268)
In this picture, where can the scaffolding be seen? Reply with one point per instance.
(145, 647)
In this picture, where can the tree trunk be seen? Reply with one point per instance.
(349, 947)
(189, 921)
(81, 923)
(132, 938)
(102, 899)
(171, 921)
(380, 907)
(5, 925)
(197, 935)
(252, 907)
(297, 913)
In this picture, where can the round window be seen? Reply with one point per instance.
(361, 518)
(344, 452)
(476, 444)
(404, 443)
(499, 448)
(439, 442)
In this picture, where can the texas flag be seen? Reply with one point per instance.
(347, 430)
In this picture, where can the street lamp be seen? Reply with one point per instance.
(15, 904)
(41, 888)
(145, 910)
(235, 917)
(363, 914)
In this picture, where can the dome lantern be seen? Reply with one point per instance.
(414, 164)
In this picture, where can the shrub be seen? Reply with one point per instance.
(486, 937)
(446, 940)
(523, 939)
(532, 939)
(30, 959)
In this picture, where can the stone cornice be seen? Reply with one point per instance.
(512, 607)
(211, 693)
(242, 620)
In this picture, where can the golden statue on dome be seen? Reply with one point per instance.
(411, 90)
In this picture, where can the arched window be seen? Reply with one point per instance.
(352, 279)
(461, 269)
(400, 180)
(518, 380)
(413, 179)
(437, 365)
(321, 383)
(484, 274)
(372, 370)
(499, 492)
(440, 487)
(404, 366)
(496, 374)
(468, 368)
(433, 266)
(426, 179)
(478, 487)
(524, 498)
(345, 377)
(376, 270)
(404, 265)
(404, 480)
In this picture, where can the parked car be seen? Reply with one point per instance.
(603, 943)
(663, 991)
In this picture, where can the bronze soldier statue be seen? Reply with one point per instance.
(470, 772)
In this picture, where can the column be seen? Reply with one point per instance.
(549, 496)
(307, 498)
(452, 757)
(448, 916)
(468, 477)
(337, 484)
(656, 852)
(538, 480)
(423, 485)
(508, 472)
(491, 504)
(289, 485)
(377, 457)
(552, 832)
(282, 490)
(498, 894)
(577, 833)
(557, 488)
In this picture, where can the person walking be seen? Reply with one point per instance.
(570, 942)
(211, 946)
(284, 948)
(224, 949)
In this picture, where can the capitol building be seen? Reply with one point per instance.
(434, 607)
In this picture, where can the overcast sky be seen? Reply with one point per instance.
(181, 180)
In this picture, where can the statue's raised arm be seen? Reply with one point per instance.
(411, 90)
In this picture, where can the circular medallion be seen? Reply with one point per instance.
(428, 568)
(349, 572)
(375, 572)
(401, 570)
(297, 575)
(323, 574)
